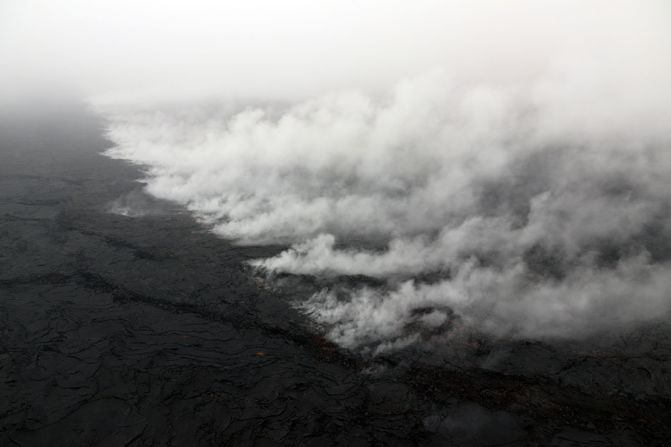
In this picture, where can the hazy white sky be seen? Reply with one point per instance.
(295, 48)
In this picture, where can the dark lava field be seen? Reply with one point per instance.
(122, 330)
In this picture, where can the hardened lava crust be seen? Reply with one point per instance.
(119, 329)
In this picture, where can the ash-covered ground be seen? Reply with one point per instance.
(121, 328)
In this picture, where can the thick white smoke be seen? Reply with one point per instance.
(498, 165)
(534, 227)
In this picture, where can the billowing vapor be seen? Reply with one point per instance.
(524, 224)
(501, 166)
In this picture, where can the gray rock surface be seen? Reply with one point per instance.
(124, 322)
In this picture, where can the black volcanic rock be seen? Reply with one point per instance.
(125, 328)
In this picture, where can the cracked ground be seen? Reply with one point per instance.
(148, 330)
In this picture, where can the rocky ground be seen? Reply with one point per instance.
(125, 329)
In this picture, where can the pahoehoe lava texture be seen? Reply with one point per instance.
(147, 330)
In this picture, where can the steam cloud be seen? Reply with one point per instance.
(501, 166)
(533, 228)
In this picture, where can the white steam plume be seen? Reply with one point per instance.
(523, 189)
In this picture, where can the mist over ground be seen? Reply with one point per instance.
(471, 202)
(497, 166)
